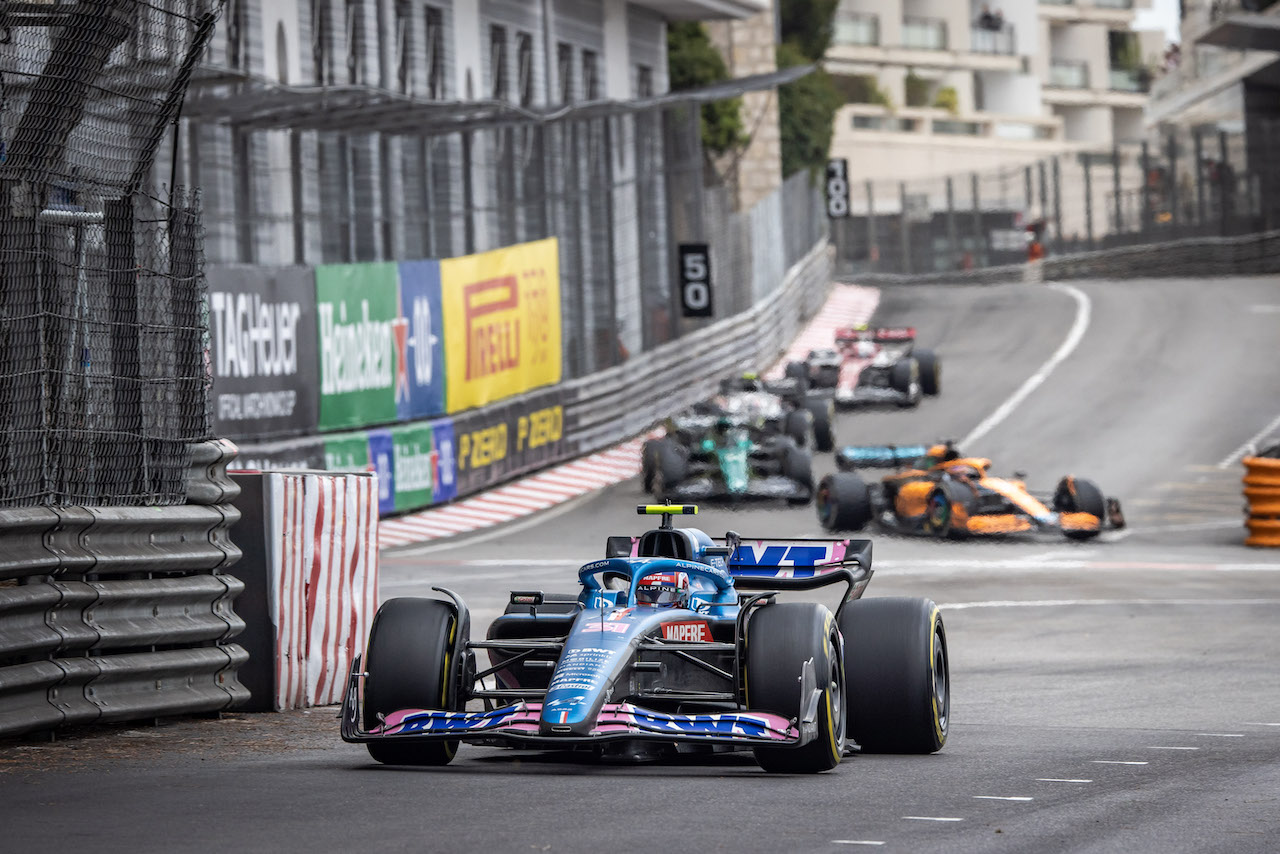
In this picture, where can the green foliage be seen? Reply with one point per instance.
(692, 61)
(806, 110)
(861, 89)
(947, 98)
(917, 89)
(807, 24)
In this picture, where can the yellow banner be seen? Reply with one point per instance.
(501, 322)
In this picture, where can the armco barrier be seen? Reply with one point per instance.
(1250, 255)
(310, 568)
(111, 613)
(1262, 493)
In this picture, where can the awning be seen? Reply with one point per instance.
(258, 104)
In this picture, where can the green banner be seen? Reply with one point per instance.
(346, 452)
(358, 315)
(413, 448)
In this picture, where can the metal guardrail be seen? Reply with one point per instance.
(120, 613)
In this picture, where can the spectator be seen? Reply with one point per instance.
(987, 20)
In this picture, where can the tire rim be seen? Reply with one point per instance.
(939, 511)
(941, 695)
(836, 689)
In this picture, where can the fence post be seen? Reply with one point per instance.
(611, 269)
(1031, 196)
(873, 251)
(468, 198)
(1226, 184)
(953, 247)
(1146, 195)
(1086, 163)
(1115, 190)
(1172, 149)
(1198, 146)
(979, 234)
(905, 228)
(118, 224)
(1057, 206)
(1044, 198)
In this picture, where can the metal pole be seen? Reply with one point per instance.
(1057, 206)
(979, 234)
(1118, 228)
(1086, 164)
(611, 270)
(905, 228)
(1172, 148)
(1044, 196)
(1226, 178)
(953, 243)
(1198, 146)
(1146, 195)
(873, 252)
(468, 199)
(1031, 196)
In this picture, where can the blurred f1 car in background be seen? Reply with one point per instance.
(938, 492)
(777, 406)
(726, 460)
(674, 641)
(872, 366)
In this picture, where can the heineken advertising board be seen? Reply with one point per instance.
(262, 345)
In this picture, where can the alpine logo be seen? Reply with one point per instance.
(693, 631)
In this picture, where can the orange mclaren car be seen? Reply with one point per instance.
(938, 491)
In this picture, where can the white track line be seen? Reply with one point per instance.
(1084, 310)
(1076, 603)
(1252, 443)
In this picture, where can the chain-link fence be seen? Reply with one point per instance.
(102, 378)
(1182, 183)
(620, 192)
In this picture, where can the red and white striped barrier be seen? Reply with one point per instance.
(323, 579)
(848, 305)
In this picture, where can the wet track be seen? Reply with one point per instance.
(1116, 695)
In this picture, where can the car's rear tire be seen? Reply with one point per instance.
(780, 639)
(1077, 495)
(797, 370)
(828, 377)
(648, 462)
(797, 465)
(798, 425)
(823, 410)
(930, 371)
(903, 374)
(409, 662)
(843, 501)
(899, 679)
(670, 469)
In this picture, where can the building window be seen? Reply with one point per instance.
(404, 60)
(590, 78)
(355, 39)
(524, 68)
(564, 65)
(434, 52)
(644, 81)
(235, 34)
(498, 63)
(321, 56)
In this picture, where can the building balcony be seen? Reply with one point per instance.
(705, 10)
(1000, 42)
(1130, 80)
(1111, 12)
(1113, 4)
(1244, 25)
(1068, 74)
(856, 30)
(924, 33)
(870, 121)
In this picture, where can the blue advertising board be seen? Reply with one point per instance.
(419, 331)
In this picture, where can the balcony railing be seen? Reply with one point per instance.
(985, 40)
(1068, 74)
(1113, 4)
(1130, 80)
(924, 33)
(1057, 2)
(852, 28)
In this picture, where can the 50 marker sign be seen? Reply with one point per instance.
(837, 188)
(695, 280)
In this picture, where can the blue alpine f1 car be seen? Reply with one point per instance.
(674, 639)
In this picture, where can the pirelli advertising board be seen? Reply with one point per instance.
(496, 443)
(501, 323)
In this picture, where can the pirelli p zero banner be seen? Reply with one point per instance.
(262, 344)
(501, 323)
(508, 439)
(381, 343)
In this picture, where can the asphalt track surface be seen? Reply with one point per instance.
(1116, 695)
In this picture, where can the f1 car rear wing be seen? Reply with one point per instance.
(880, 456)
(880, 335)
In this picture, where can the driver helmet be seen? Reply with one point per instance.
(663, 589)
(865, 349)
(750, 381)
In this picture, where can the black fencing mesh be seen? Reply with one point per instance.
(102, 328)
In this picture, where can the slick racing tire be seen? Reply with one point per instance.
(798, 425)
(410, 665)
(648, 462)
(670, 469)
(899, 680)
(797, 370)
(939, 510)
(903, 374)
(843, 502)
(828, 377)
(780, 639)
(1077, 495)
(930, 371)
(823, 410)
(797, 465)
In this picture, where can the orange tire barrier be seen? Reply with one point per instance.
(1262, 492)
